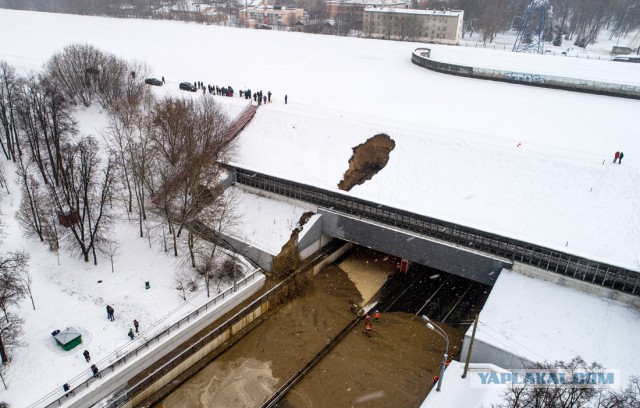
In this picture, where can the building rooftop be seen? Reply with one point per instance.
(449, 13)
(371, 3)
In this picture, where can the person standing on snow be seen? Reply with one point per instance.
(136, 324)
(620, 159)
(130, 334)
(86, 355)
(616, 156)
(110, 313)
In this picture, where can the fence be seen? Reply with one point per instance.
(577, 267)
(143, 348)
(422, 57)
(247, 312)
(556, 53)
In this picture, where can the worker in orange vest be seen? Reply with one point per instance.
(435, 379)
(367, 329)
(376, 316)
(367, 318)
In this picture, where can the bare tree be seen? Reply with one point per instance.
(220, 218)
(3, 376)
(9, 94)
(47, 126)
(185, 280)
(84, 73)
(12, 266)
(82, 197)
(10, 333)
(25, 279)
(555, 395)
(32, 215)
(127, 138)
(76, 70)
(188, 139)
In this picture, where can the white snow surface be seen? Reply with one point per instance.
(543, 321)
(456, 391)
(529, 163)
(263, 223)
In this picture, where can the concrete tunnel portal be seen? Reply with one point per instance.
(446, 257)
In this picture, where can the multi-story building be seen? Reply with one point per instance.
(277, 16)
(438, 26)
(335, 7)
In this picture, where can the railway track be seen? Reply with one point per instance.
(438, 305)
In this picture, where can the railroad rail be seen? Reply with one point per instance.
(282, 391)
(588, 270)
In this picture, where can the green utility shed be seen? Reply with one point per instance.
(68, 338)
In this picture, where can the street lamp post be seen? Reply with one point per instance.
(431, 325)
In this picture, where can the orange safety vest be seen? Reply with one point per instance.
(377, 315)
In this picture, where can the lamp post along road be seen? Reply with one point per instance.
(431, 325)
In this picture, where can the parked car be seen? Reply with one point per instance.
(627, 58)
(188, 86)
(153, 81)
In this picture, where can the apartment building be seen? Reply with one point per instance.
(277, 16)
(436, 26)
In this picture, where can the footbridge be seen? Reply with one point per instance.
(450, 247)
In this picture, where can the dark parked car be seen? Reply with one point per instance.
(188, 86)
(153, 81)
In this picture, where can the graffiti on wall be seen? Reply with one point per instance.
(521, 77)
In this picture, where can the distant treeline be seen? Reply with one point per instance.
(577, 20)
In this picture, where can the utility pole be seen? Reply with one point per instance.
(473, 335)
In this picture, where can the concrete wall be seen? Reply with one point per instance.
(200, 354)
(101, 390)
(436, 254)
(309, 240)
(263, 259)
(422, 57)
(485, 353)
(582, 286)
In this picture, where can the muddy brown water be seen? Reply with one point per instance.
(392, 368)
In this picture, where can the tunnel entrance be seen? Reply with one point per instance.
(392, 367)
(422, 290)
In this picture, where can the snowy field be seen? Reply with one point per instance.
(529, 163)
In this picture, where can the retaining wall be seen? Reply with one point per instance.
(422, 57)
(236, 324)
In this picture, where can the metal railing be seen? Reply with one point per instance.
(144, 347)
(577, 267)
(188, 351)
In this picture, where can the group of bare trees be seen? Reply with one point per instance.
(15, 285)
(70, 183)
(531, 395)
(579, 20)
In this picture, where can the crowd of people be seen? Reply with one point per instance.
(257, 97)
